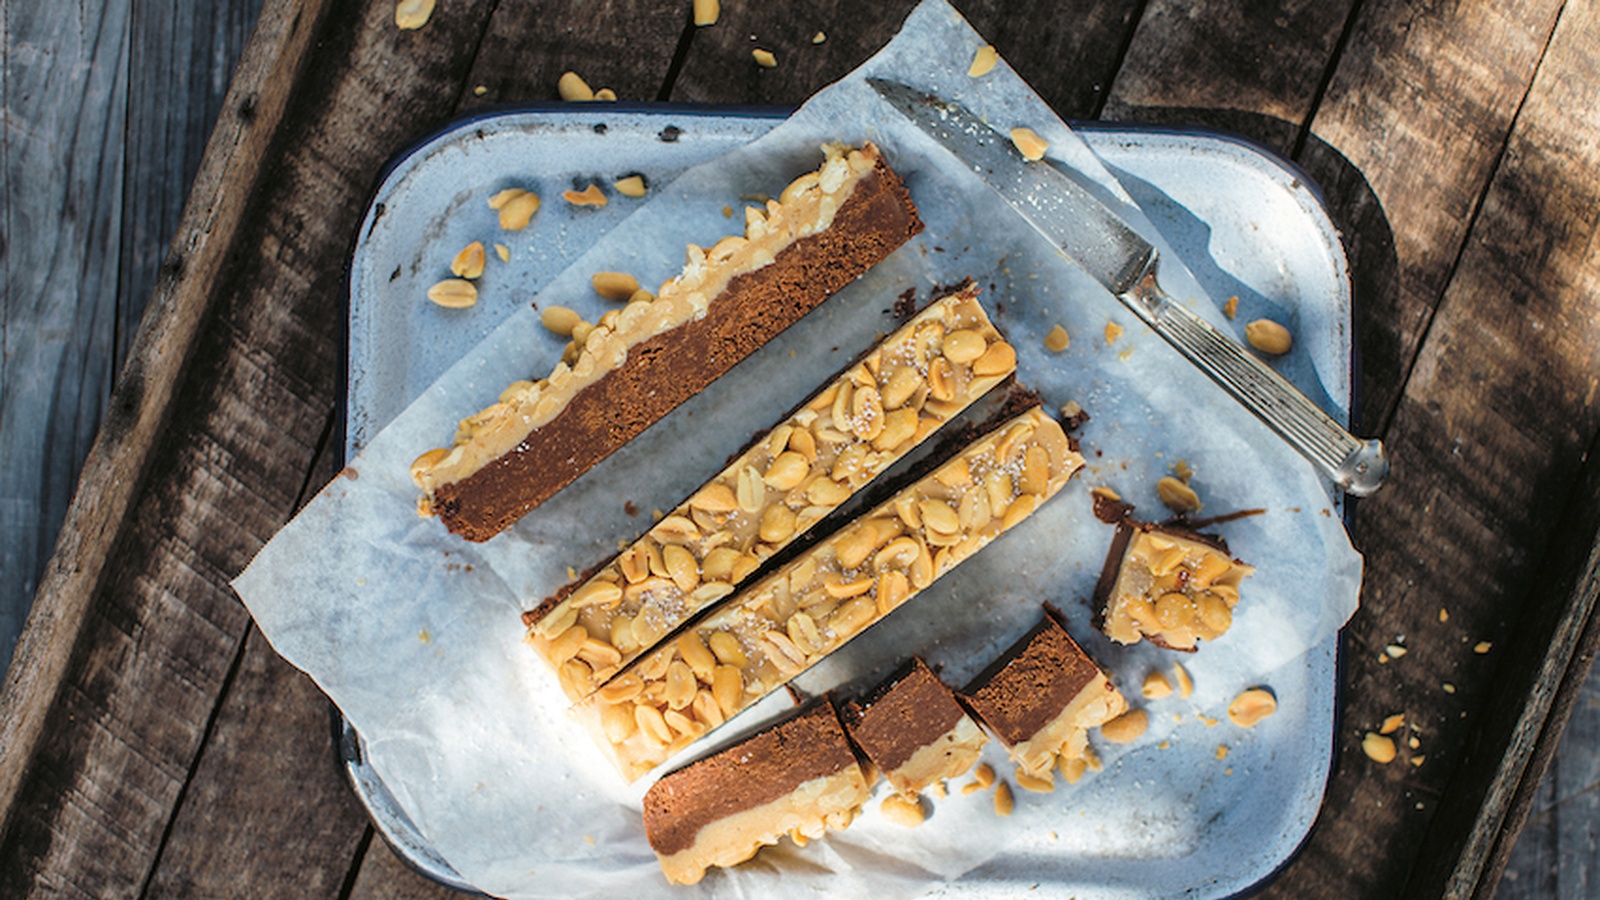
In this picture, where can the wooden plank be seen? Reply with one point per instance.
(65, 102)
(180, 61)
(1251, 69)
(1403, 144)
(1558, 799)
(267, 812)
(1462, 526)
(1067, 51)
(624, 45)
(236, 824)
(148, 618)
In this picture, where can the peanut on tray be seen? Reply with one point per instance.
(869, 417)
(780, 626)
(1175, 589)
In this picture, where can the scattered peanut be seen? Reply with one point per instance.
(1057, 340)
(560, 320)
(1178, 497)
(614, 285)
(706, 12)
(1029, 144)
(1482, 647)
(1004, 802)
(1268, 336)
(502, 251)
(572, 88)
(631, 186)
(589, 196)
(516, 207)
(1378, 748)
(605, 94)
(764, 58)
(1392, 723)
(469, 262)
(1126, 728)
(1231, 308)
(453, 293)
(412, 14)
(1156, 686)
(903, 810)
(983, 62)
(1113, 331)
(1252, 706)
(1185, 683)
(818, 38)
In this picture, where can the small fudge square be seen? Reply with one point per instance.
(913, 730)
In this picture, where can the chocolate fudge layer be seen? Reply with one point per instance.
(913, 730)
(650, 378)
(1171, 585)
(799, 777)
(1042, 696)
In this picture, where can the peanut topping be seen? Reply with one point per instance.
(1172, 589)
(803, 611)
(782, 486)
(681, 299)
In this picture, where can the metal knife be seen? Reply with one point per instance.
(1088, 232)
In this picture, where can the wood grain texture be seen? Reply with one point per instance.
(159, 633)
(1493, 459)
(119, 459)
(180, 61)
(1421, 102)
(1249, 68)
(624, 45)
(384, 876)
(64, 106)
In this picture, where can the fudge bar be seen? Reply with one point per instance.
(869, 417)
(1041, 697)
(780, 626)
(827, 228)
(1167, 584)
(798, 778)
(913, 730)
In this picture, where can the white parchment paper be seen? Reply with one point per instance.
(415, 633)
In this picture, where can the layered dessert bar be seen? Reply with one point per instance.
(799, 778)
(784, 623)
(1170, 585)
(843, 437)
(825, 230)
(1041, 697)
(913, 730)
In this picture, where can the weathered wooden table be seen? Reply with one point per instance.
(154, 744)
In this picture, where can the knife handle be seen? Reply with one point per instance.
(1355, 465)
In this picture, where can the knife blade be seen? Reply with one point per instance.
(1092, 235)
